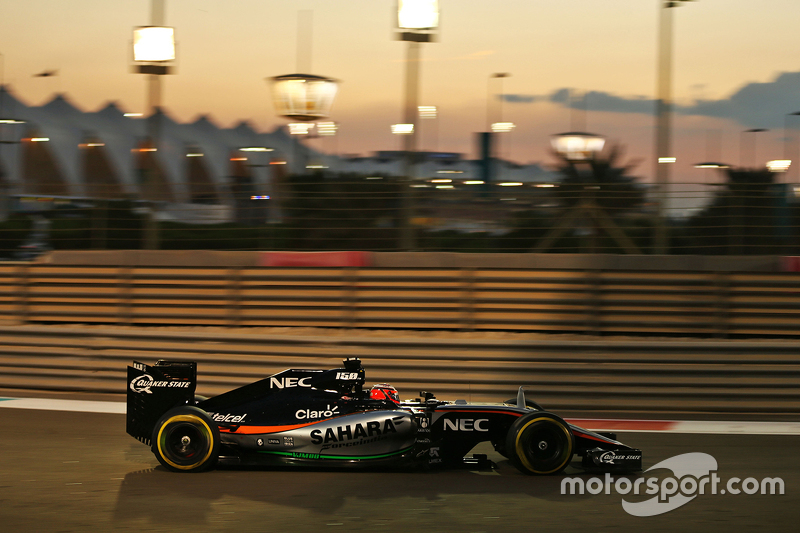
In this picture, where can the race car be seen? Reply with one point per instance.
(328, 418)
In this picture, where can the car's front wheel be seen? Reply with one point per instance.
(185, 439)
(540, 443)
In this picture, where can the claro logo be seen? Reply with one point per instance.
(466, 424)
(307, 413)
(281, 383)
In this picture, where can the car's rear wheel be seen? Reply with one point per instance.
(185, 439)
(540, 443)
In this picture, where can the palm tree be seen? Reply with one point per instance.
(596, 193)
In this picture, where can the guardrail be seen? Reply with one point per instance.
(709, 304)
(735, 378)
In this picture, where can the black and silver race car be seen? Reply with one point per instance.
(328, 418)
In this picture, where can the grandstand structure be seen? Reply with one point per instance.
(196, 172)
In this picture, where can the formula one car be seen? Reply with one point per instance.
(327, 418)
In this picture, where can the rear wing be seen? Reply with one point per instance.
(154, 390)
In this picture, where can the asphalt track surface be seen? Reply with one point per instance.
(73, 471)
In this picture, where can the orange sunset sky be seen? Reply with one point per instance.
(736, 66)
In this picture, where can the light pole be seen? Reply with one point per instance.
(306, 98)
(153, 53)
(790, 147)
(417, 20)
(750, 157)
(663, 119)
(5, 123)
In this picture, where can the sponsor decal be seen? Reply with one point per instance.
(143, 384)
(288, 441)
(347, 376)
(302, 455)
(693, 474)
(274, 442)
(329, 411)
(138, 366)
(288, 383)
(466, 424)
(433, 456)
(423, 422)
(260, 442)
(355, 434)
(610, 458)
(227, 418)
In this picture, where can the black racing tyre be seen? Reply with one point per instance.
(185, 439)
(198, 398)
(540, 443)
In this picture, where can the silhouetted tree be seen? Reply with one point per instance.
(744, 217)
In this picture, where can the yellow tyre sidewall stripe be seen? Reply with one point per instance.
(191, 419)
(521, 455)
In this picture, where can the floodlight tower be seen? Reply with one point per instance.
(417, 22)
(154, 55)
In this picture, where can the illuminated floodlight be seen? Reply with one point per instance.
(39, 139)
(503, 127)
(578, 146)
(402, 129)
(259, 197)
(545, 185)
(133, 115)
(303, 97)
(316, 166)
(374, 177)
(711, 165)
(441, 180)
(153, 44)
(427, 111)
(445, 187)
(195, 154)
(327, 129)
(667, 159)
(510, 184)
(256, 149)
(474, 182)
(779, 165)
(300, 128)
(417, 14)
(11, 121)
(91, 145)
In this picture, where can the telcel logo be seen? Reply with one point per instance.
(466, 424)
(217, 417)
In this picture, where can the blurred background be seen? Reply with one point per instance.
(341, 125)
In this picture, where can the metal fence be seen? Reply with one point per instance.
(593, 301)
(671, 378)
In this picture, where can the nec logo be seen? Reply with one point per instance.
(280, 383)
(466, 424)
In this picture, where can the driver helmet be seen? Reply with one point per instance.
(384, 391)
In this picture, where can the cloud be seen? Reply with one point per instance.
(755, 105)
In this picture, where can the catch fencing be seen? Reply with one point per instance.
(560, 300)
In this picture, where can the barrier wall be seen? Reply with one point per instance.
(733, 379)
